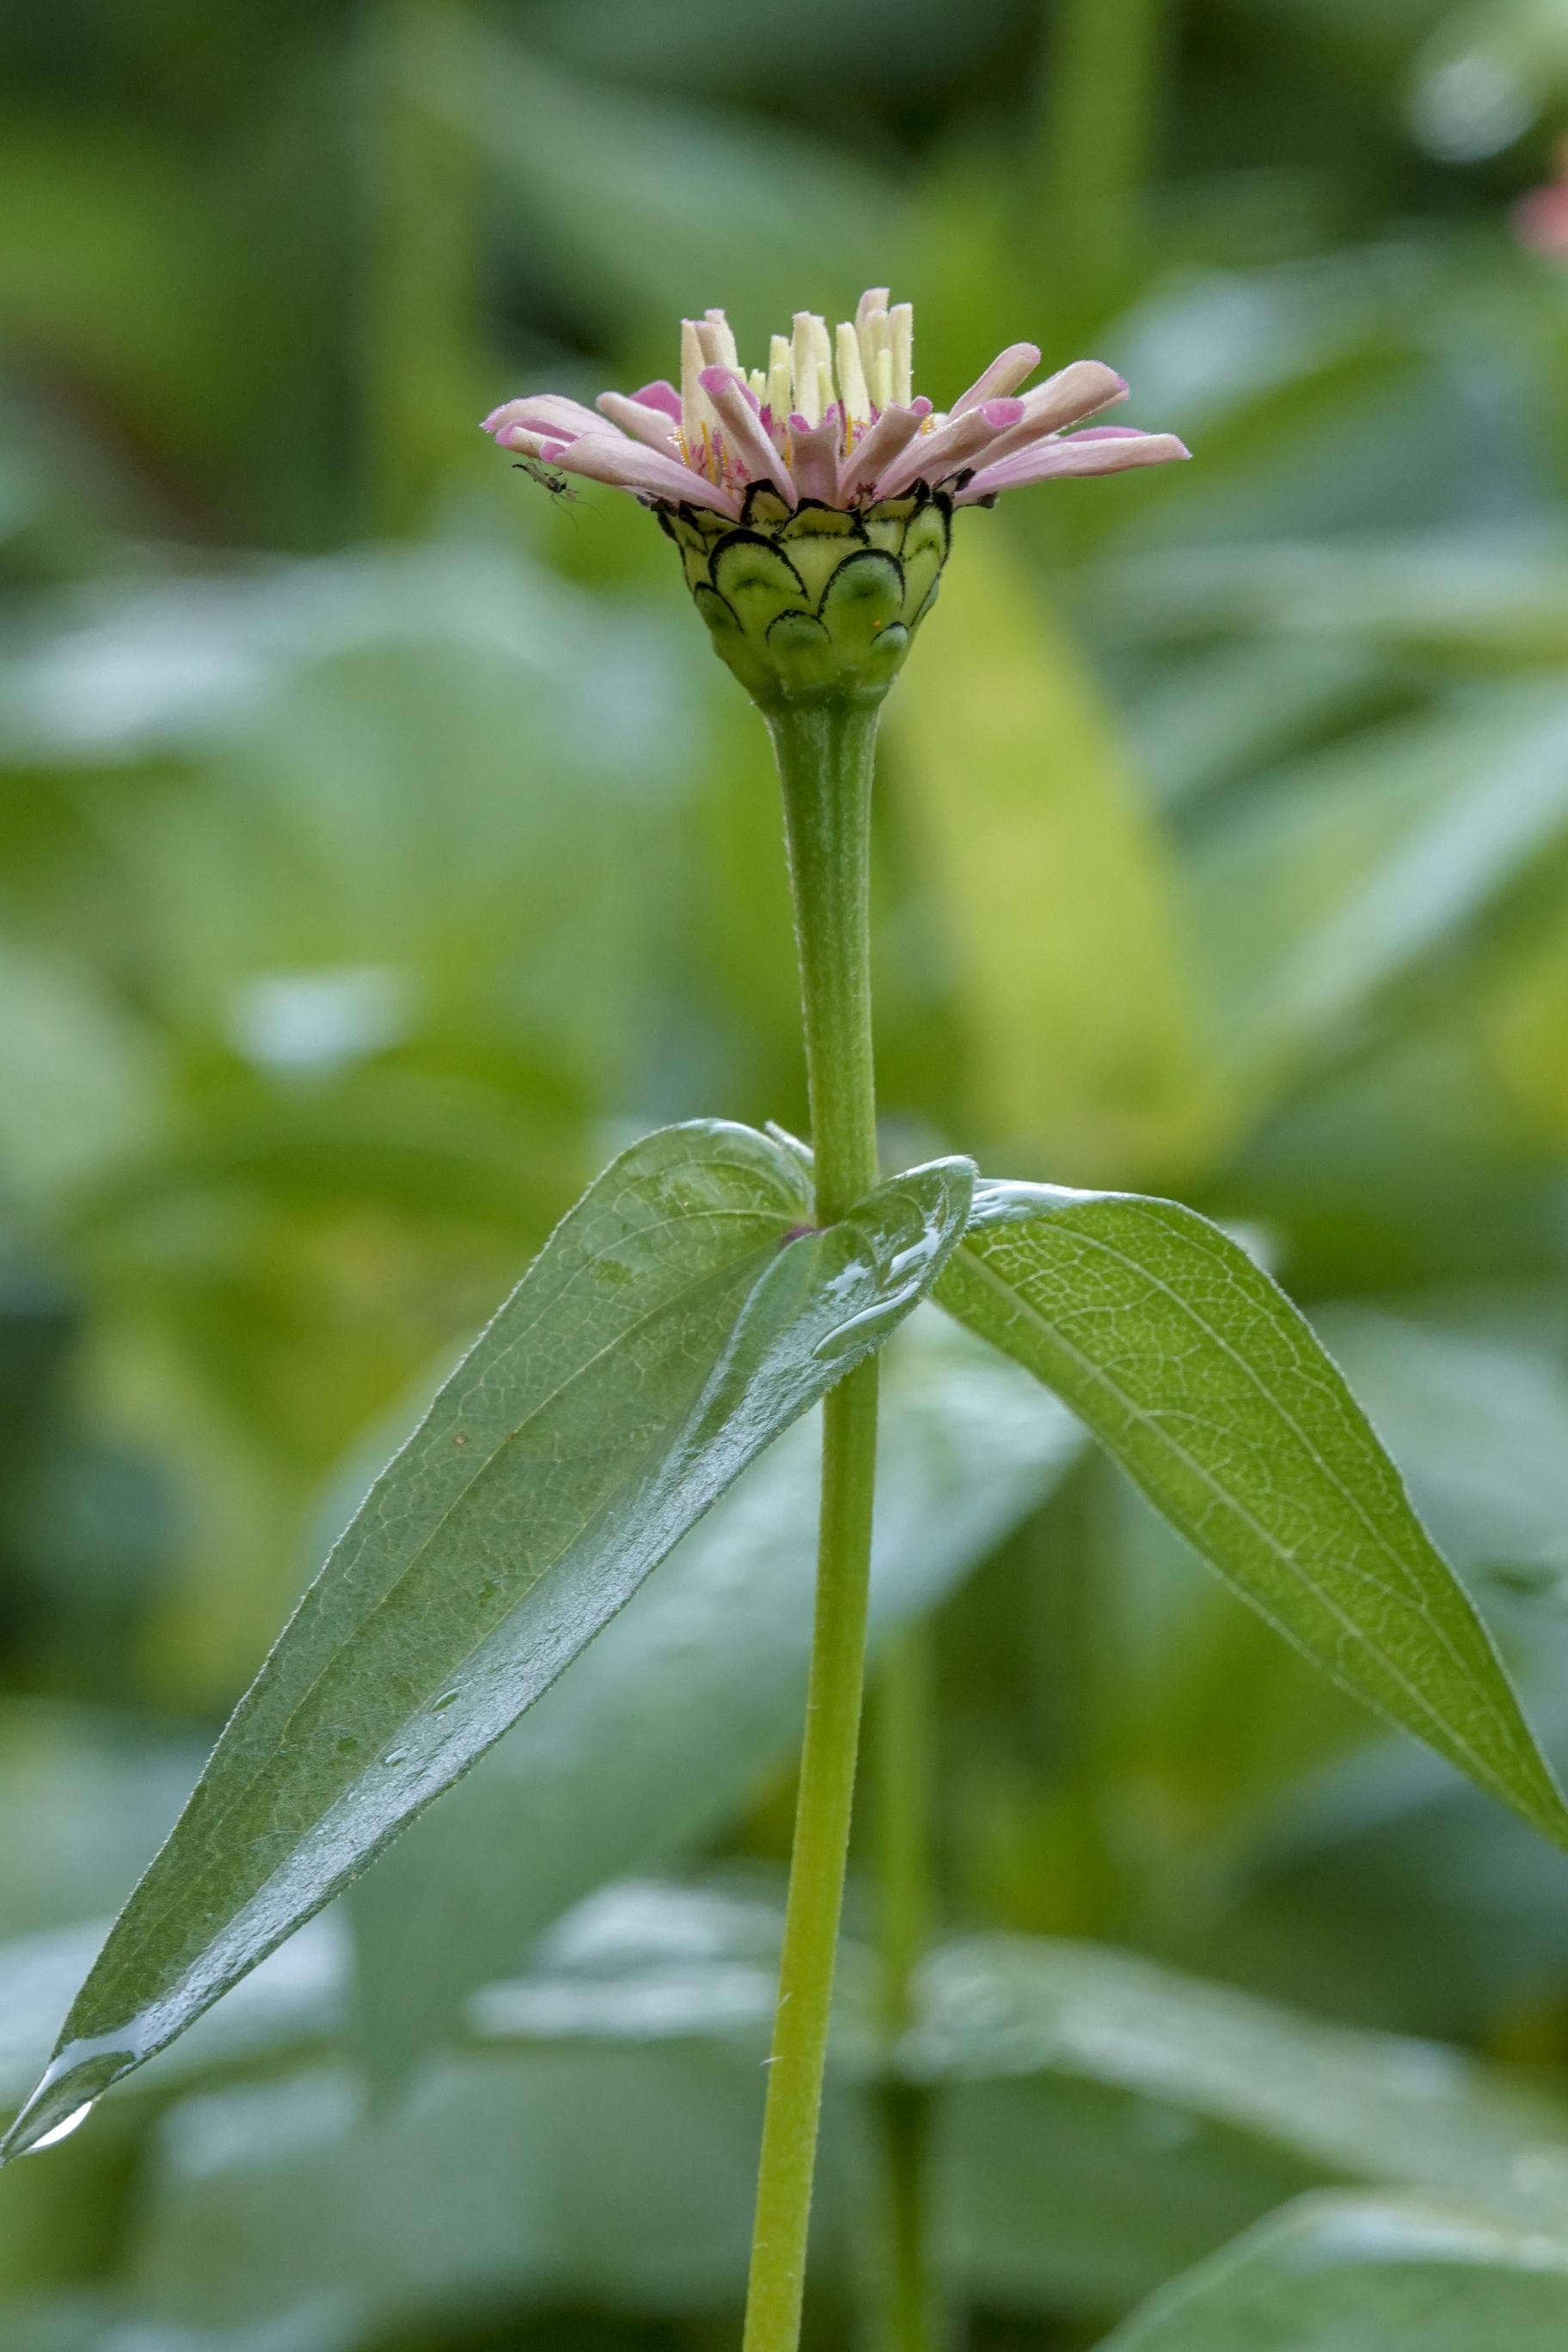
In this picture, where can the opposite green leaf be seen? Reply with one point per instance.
(682, 1315)
(1335, 2273)
(1199, 1375)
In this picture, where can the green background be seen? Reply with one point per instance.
(382, 848)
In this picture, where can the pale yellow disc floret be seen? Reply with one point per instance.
(780, 377)
(901, 324)
(719, 341)
(852, 377)
(864, 367)
(698, 416)
(812, 365)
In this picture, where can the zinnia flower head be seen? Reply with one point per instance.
(812, 500)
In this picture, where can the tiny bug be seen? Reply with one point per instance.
(548, 479)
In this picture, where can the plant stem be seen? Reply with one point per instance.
(905, 2316)
(420, 302)
(1095, 134)
(826, 754)
(904, 1769)
(905, 1774)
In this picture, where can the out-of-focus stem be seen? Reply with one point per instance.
(903, 1719)
(904, 1768)
(418, 377)
(1095, 136)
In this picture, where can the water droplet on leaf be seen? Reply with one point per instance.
(64, 2130)
(71, 2083)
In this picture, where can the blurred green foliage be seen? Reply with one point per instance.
(380, 847)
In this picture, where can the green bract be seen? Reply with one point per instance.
(818, 604)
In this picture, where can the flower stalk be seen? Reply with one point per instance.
(817, 1861)
(826, 752)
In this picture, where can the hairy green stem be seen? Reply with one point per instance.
(825, 753)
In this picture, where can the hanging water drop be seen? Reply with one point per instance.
(73, 2081)
(63, 2131)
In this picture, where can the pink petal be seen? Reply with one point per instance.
(814, 456)
(1080, 452)
(931, 457)
(499, 418)
(644, 423)
(893, 431)
(1081, 390)
(744, 432)
(662, 396)
(547, 411)
(1006, 372)
(526, 444)
(627, 466)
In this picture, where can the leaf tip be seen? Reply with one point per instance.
(69, 2088)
